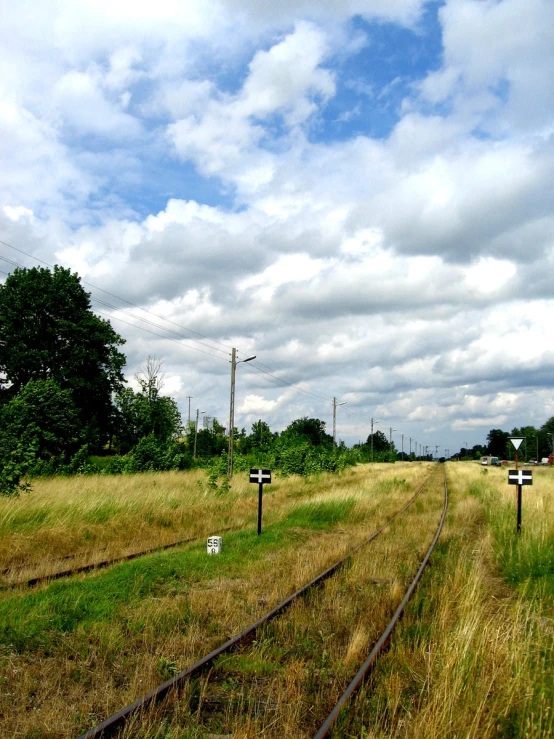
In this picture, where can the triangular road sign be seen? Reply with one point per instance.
(517, 441)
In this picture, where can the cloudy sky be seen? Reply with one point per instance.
(359, 192)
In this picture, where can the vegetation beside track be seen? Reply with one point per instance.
(97, 642)
(474, 654)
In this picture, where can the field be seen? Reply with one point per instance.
(472, 656)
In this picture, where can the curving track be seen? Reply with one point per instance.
(113, 724)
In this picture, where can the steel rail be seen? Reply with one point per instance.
(385, 636)
(31, 582)
(116, 721)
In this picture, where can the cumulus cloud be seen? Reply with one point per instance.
(408, 272)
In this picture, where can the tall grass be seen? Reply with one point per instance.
(473, 656)
(73, 651)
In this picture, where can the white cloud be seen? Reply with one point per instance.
(83, 106)
(410, 272)
(222, 135)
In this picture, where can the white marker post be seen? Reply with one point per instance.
(260, 476)
(519, 478)
(214, 544)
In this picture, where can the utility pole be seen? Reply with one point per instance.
(437, 446)
(196, 432)
(232, 414)
(372, 422)
(335, 404)
(402, 447)
(390, 438)
(410, 446)
(234, 363)
(190, 398)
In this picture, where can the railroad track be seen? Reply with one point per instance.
(210, 666)
(90, 566)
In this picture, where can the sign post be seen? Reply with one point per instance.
(261, 477)
(519, 477)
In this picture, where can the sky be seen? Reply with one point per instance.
(358, 192)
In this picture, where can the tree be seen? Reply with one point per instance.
(138, 416)
(49, 332)
(39, 423)
(151, 377)
(380, 442)
(307, 429)
(261, 438)
(546, 438)
(497, 440)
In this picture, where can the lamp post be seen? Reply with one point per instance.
(372, 422)
(234, 363)
(390, 439)
(335, 404)
(196, 432)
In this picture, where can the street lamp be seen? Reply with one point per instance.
(234, 363)
(335, 404)
(390, 439)
(372, 422)
(196, 431)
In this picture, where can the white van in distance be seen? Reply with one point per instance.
(490, 461)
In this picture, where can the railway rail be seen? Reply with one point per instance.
(112, 725)
(89, 567)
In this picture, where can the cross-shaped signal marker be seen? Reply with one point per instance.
(260, 476)
(520, 477)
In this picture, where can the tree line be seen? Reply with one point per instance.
(65, 407)
(537, 444)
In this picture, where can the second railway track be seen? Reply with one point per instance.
(291, 672)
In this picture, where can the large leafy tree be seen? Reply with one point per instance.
(41, 417)
(139, 415)
(380, 442)
(39, 423)
(49, 332)
(310, 430)
(261, 438)
(497, 442)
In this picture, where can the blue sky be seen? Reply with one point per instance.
(355, 191)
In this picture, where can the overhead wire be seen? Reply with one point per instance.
(167, 338)
(258, 368)
(118, 297)
(262, 367)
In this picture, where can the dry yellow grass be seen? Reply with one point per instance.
(87, 672)
(472, 657)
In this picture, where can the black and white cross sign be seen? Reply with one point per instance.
(260, 476)
(520, 477)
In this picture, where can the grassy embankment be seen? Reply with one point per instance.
(73, 651)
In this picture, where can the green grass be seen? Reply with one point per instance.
(31, 620)
(322, 515)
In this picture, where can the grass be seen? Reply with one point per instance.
(78, 649)
(472, 657)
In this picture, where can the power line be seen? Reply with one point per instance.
(117, 297)
(156, 325)
(262, 369)
(167, 338)
(282, 382)
(16, 264)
